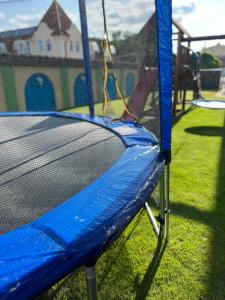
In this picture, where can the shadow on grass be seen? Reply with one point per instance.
(206, 130)
(144, 286)
(180, 116)
(111, 261)
(215, 287)
(108, 276)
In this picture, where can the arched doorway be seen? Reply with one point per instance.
(39, 93)
(130, 81)
(111, 86)
(80, 91)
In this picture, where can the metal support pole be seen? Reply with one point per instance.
(162, 206)
(90, 276)
(152, 219)
(167, 203)
(86, 53)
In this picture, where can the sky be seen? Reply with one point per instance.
(199, 17)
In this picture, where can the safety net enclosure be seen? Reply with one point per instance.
(85, 101)
(210, 104)
(124, 64)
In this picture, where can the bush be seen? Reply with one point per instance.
(209, 61)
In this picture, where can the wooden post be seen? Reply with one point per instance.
(176, 75)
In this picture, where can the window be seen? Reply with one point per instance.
(21, 47)
(49, 46)
(77, 47)
(3, 49)
(41, 46)
(27, 47)
(71, 45)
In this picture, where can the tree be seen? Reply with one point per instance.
(126, 46)
(209, 61)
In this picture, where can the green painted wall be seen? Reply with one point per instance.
(65, 87)
(9, 87)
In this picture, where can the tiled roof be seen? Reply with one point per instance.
(17, 33)
(57, 19)
(46, 61)
(38, 61)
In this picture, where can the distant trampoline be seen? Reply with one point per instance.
(210, 104)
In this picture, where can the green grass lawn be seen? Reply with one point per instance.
(117, 106)
(192, 266)
(211, 95)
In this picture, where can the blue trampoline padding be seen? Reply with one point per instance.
(164, 48)
(210, 104)
(35, 256)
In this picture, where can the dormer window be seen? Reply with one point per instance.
(49, 46)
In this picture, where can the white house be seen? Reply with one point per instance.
(54, 36)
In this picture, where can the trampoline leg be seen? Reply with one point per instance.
(161, 217)
(167, 202)
(90, 275)
(152, 219)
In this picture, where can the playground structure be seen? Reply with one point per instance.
(99, 172)
(186, 68)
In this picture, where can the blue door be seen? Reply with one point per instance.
(39, 93)
(111, 86)
(80, 91)
(130, 81)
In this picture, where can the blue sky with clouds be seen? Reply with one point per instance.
(199, 17)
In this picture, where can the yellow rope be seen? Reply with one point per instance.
(107, 50)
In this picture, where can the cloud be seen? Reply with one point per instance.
(121, 15)
(22, 21)
(2, 16)
(184, 9)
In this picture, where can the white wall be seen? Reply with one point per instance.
(60, 45)
(75, 38)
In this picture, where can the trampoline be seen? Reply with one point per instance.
(55, 199)
(210, 104)
(71, 183)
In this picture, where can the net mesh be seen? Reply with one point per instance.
(42, 69)
(132, 36)
(46, 160)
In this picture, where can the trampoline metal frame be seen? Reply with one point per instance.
(161, 231)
